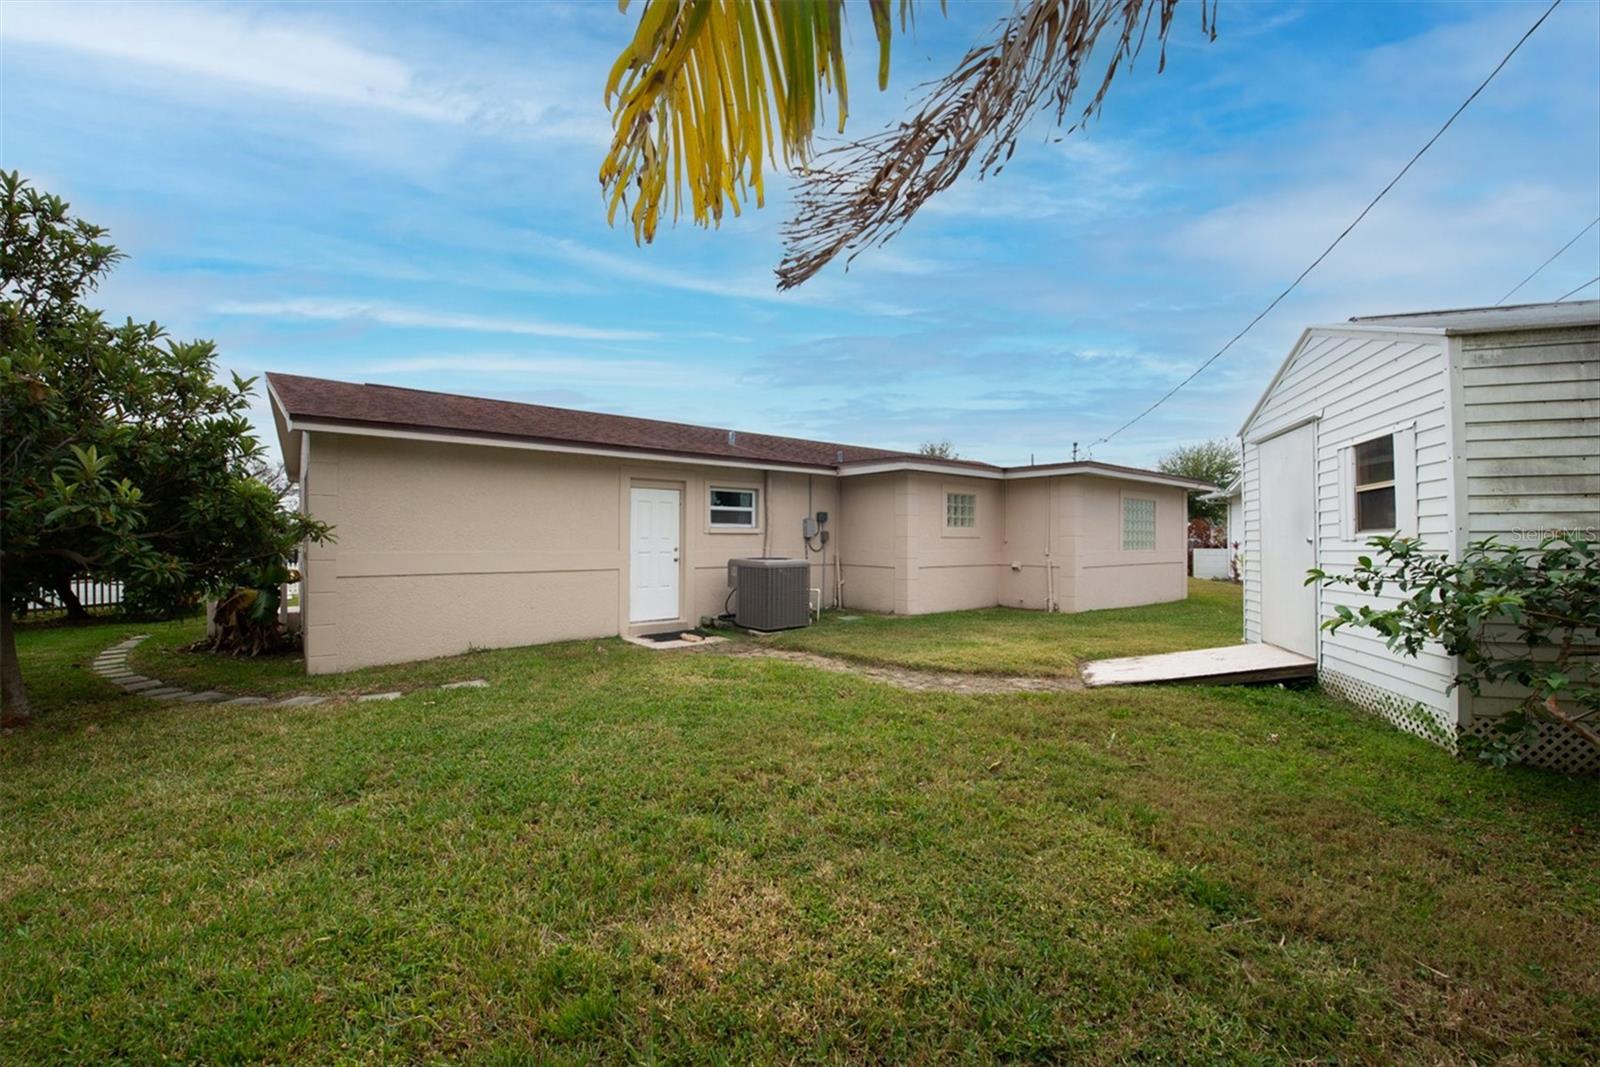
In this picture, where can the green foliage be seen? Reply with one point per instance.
(1215, 462)
(123, 455)
(247, 617)
(1522, 617)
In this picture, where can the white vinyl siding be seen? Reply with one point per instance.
(1530, 416)
(1531, 413)
(1357, 385)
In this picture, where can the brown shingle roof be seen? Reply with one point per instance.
(346, 403)
(387, 405)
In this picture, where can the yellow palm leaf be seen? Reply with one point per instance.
(708, 91)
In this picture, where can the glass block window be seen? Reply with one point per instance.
(733, 509)
(1375, 484)
(961, 510)
(1138, 524)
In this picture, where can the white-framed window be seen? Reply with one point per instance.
(961, 510)
(1138, 524)
(1374, 503)
(733, 509)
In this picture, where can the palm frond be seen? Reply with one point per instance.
(709, 91)
(863, 193)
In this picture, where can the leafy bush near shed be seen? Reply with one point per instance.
(1515, 615)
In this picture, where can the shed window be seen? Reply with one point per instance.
(1374, 484)
(1138, 524)
(733, 509)
(961, 510)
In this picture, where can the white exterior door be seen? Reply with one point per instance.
(1288, 480)
(653, 570)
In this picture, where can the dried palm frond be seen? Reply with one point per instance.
(863, 193)
(709, 90)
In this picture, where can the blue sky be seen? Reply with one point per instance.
(407, 194)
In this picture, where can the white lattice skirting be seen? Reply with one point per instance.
(1557, 748)
(1412, 717)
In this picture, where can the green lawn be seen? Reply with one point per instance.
(1013, 641)
(166, 656)
(615, 853)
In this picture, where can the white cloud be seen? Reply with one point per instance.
(383, 314)
(636, 267)
(565, 368)
(247, 48)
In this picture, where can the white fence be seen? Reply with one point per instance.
(1213, 563)
(95, 597)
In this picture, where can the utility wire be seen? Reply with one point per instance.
(1579, 289)
(1345, 233)
(1547, 262)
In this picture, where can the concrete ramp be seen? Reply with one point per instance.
(1230, 665)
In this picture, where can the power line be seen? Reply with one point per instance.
(1345, 233)
(1547, 262)
(1579, 289)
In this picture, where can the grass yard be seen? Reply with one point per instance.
(1013, 641)
(613, 853)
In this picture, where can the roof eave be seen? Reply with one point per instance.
(422, 433)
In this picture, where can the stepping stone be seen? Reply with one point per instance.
(164, 692)
(207, 697)
(379, 696)
(300, 702)
(105, 660)
(243, 701)
(123, 675)
(471, 683)
(142, 684)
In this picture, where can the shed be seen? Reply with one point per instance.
(1450, 425)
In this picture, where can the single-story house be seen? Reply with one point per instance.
(1449, 425)
(466, 522)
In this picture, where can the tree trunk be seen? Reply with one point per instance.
(74, 606)
(14, 707)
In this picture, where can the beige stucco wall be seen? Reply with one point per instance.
(1033, 514)
(900, 557)
(953, 568)
(1108, 576)
(869, 540)
(444, 547)
(1074, 525)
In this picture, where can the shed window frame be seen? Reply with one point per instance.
(960, 510)
(751, 513)
(1375, 488)
(1136, 543)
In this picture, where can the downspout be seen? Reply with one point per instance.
(766, 511)
(1049, 540)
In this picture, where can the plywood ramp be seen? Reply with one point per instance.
(1231, 665)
